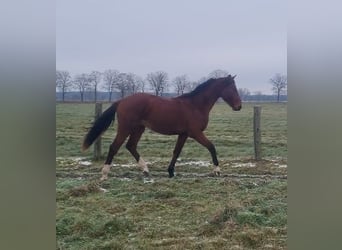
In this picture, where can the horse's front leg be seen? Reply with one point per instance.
(178, 148)
(203, 140)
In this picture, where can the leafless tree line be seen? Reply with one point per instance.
(129, 83)
(109, 81)
(126, 83)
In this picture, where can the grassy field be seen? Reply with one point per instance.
(244, 208)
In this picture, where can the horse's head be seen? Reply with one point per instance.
(230, 94)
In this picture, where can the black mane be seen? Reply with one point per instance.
(198, 89)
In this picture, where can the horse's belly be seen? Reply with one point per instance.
(165, 127)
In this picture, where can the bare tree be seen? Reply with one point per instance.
(110, 76)
(142, 85)
(95, 79)
(279, 84)
(134, 83)
(63, 81)
(158, 82)
(218, 73)
(243, 93)
(82, 83)
(181, 82)
(121, 84)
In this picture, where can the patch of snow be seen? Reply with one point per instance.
(129, 165)
(196, 163)
(244, 165)
(84, 163)
(148, 180)
(77, 158)
(74, 159)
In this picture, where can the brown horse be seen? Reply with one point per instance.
(185, 116)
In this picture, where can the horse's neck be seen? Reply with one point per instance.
(205, 101)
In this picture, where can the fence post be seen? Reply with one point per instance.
(97, 144)
(257, 133)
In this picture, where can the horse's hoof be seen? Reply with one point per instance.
(103, 178)
(171, 172)
(217, 173)
(146, 174)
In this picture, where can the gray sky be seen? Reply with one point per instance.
(192, 37)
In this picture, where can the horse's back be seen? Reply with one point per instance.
(163, 115)
(145, 103)
(134, 106)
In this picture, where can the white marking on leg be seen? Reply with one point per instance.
(142, 164)
(105, 171)
(217, 170)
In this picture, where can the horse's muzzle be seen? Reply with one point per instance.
(237, 108)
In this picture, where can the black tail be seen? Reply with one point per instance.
(100, 125)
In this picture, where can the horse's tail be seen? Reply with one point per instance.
(100, 125)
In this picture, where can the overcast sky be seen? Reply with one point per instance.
(191, 37)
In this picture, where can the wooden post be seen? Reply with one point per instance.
(257, 133)
(97, 144)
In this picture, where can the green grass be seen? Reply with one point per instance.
(244, 208)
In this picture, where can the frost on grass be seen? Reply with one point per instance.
(85, 163)
(195, 163)
(244, 165)
(148, 180)
(72, 161)
(128, 165)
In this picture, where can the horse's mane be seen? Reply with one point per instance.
(200, 88)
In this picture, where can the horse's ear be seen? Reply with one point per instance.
(234, 77)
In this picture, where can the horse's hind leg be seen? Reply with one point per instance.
(178, 148)
(113, 149)
(132, 148)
